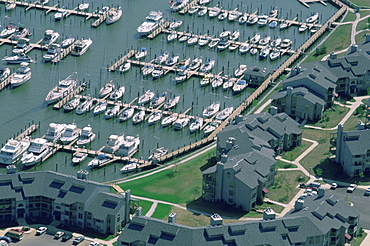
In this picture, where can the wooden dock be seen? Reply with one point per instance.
(68, 97)
(64, 53)
(187, 7)
(100, 20)
(27, 132)
(306, 2)
(158, 30)
(6, 82)
(121, 61)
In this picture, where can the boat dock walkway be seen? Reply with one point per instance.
(306, 2)
(68, 97)
(27, 131)
(101, 19)
(6, 82)
(188, 6)
(64, 53)
(122, 60)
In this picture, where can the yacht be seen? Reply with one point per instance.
(243, 19)
(252, 19)
(52, 52)
(78, 157)
(60, 14)
(229, 83)
(106, 89)
(264, 53)
(223, 45)
(184, 38)
(303, 27)
(312, 18)
(171, 103)
(156, 116)
(181, 75)
(177, 5)
(4, 73)
(168, 120)
(68, 41)
(193, 10)
(218, 81)
(22, 46)
(235, 35)
(21, 32)
(127, 114)
(114, 14)
(211, 110)
(146, 97)
(38, 149)
(239, 86)
(128, 146)
(225, 33)
(175, 24)
(256, 38)
(192, 40)
(85, 106)
(118, 93)
(240, 71)
(7, 31)
(141, 53)
(112, 112)
(158, 153)
(98, 160)
(113, 143)
(206, 67)
(22, 75)
(124, 67)
(81, 46)
(275, 54)
(180, 123)
(13, 150)
(86, 137)
(283, 25)
(286, 43)
(274, 13)
(129, 167)
(138, 117)
(208, 129)
(213, 42)
(265, 40)
(158, 100)
(9, 6)
(206, 80)
(195, 63)
(213, 12)
(147, 70)
(223, 15)
(158, 72)
(17, 58)
(152, 21)
(233, 15)
(63, 88)
(253, 51)
(223, 114)
(54, 132)
(196, 125)
(202, 12)
(83, 6)
(50, 37)
(204, 2)
(203, 40)
(244, 48)
(172, 36)
(100, 108)
(262, 21)
(71, 133)
(276, 42)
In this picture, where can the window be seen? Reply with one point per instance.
(118, 218)
(228, 175)
(80, 215)
(231, 193)
(231, 184)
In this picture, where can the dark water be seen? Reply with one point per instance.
(23, 105)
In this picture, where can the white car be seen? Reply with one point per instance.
(334, 186)
(94, 244)
(367, 192)
(351, 188)
(58, 234)
(41, 230)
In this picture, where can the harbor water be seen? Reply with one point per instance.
(24, 105)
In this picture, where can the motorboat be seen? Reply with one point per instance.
(184, 38)
(265, 40)
(172, 36)
(114, 14)
(214, 42)
(225, 33)
(146, 97)
(4, 73)
(50, 37)
(124, 67)
(239, 86)
(180, 123)
(214, 11)
(273, 24)
(240, 71)
(68, 41)
(211, 110)
(223, 45)
(235, 35)
(171, 103)
(182, 75)
(274, 54)
(113, 143)
(21, 32)
(256, 38)
(54, 132)
(138, 117)
(168, 120)
(112, 112)
(133, 166)
(13, 150)
(193, 9)
(81, 46)
(37, 151)
(177, 5)
(286, 43)
(100, 108)
(156, 116)
(243, 48)
(184, 63)
(303, 27)
(206, 67)
(202, 12)
(118, 93)
(223, 15)
(312, 18)
(233, 46)
(229, 83)
(252, 19)
(71, 133)
(17, 58)
(208, 129)
(192, 40)
(253, 51)
(10, 6)
(274, 13)
(314, 29)
(60, 14)
(276, 42)
(172, 61)
(52, 52)
(196, 125)
(203, 40)
(63, 88)
(152, 21)
(283, 25)
(43, 2)
(206, 80)
(7, 31)
(126, 114)
(103, 10)
(262, 21)
(175, 24)
(147, 70)
(204, 2)
(83, 6)
(106, 89)
(161, 58)
(217, 82)
(78, 157)
(233, 15)
(243, 19)
(159, 152)
(85, 106)
(195, 63)
(98, 161)
(86, 137)
(158, 72)
(158, 100)
(264, 53)
(223, 114)
(22, 75)
(140, 54)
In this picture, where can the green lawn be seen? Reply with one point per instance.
(364, 3)
(283, 164)
(360, 38)
(162, 211)
(349, 17)
(293, 154)
(362, 25)
(145, 205)
(331, 117)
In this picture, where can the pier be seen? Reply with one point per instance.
(28, 131)
(64, 53)
(121, 61)
(6, 82)
(68, 97)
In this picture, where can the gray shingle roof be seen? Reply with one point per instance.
(358, 142)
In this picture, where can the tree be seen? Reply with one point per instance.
(361, 175)
(318, 172)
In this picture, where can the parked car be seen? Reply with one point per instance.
(351, 188)
(367, 192)
(94, 244)
(66, 237)
(314, 185)
(78, 240)
(41, 230)
(334, 186)
(58, 234)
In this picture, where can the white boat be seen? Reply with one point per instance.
(147, 70)
(86, 137)
(181, 75)
(114, 14)
(161, 58)
(138, 117)
(112, 112)
(193, 9)
(106, 89)
(208, 129)
(83, 6)
(141, 53)
(68, 41)
(168, 120)
(22, 46)
(171, 103)
(222, 16)
(152, 21)
(60, 14)
(118, 93)
(235, 35)
(100, 108)
(156, 116)
(264, 53)
(196, 125)
(314, 29)
(158, 100)
(124, 67)
(17, 58)
(211, 110)
(223, 114)
(223, 45)
(172, 61)
(175, 24)
(214, 11)
(13, 150)
(78, 157)
(103, 10)
(312, 18)
(233, 15)
(177, 5)
(171, 37)
(274, 54)
(229, 83)
(146, 97)
(204, 2)
(206, 67)
(7, 31)
(98, 160)
(50, 37)
(225, 33)
(195, 63)
(253, 51)
(233, 46)
(256, 38)
(4, 73)
(38, 149)
(129, 167)
(303, 27)
(85, 106)
(158, 153)
(243, 19)
(283, 25)
(52, 52)
(22, 75)
(192, 40)
(240, 71)
(184, 38)
(274, 13)
(276, 42)
(158, 72)
(214, 42)
(54, 132)
(81, 46)
(286, 43)
(202, 12)
(239, 86)
(217, 82)
(265, 40)
(113, 143)
(252, 19)
(180, 123)
(63, 88)
(71, 133)
(243, 48)
(262, 21)
(203, 40)
(126, 114)
(207, 79)
(10, 6)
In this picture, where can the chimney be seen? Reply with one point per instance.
(139, 211)
(320, 192)
(360, 126)
(269, 214)
(230, 143)
(238, 118)
(216, 220)
(353, 48)
(11, 169)
(172, 218)
(299, 203)
(273, 110)
(127, 205)
(82, 174)
(224, 158)
(367, 37)
(296, 70)
(333, 55)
